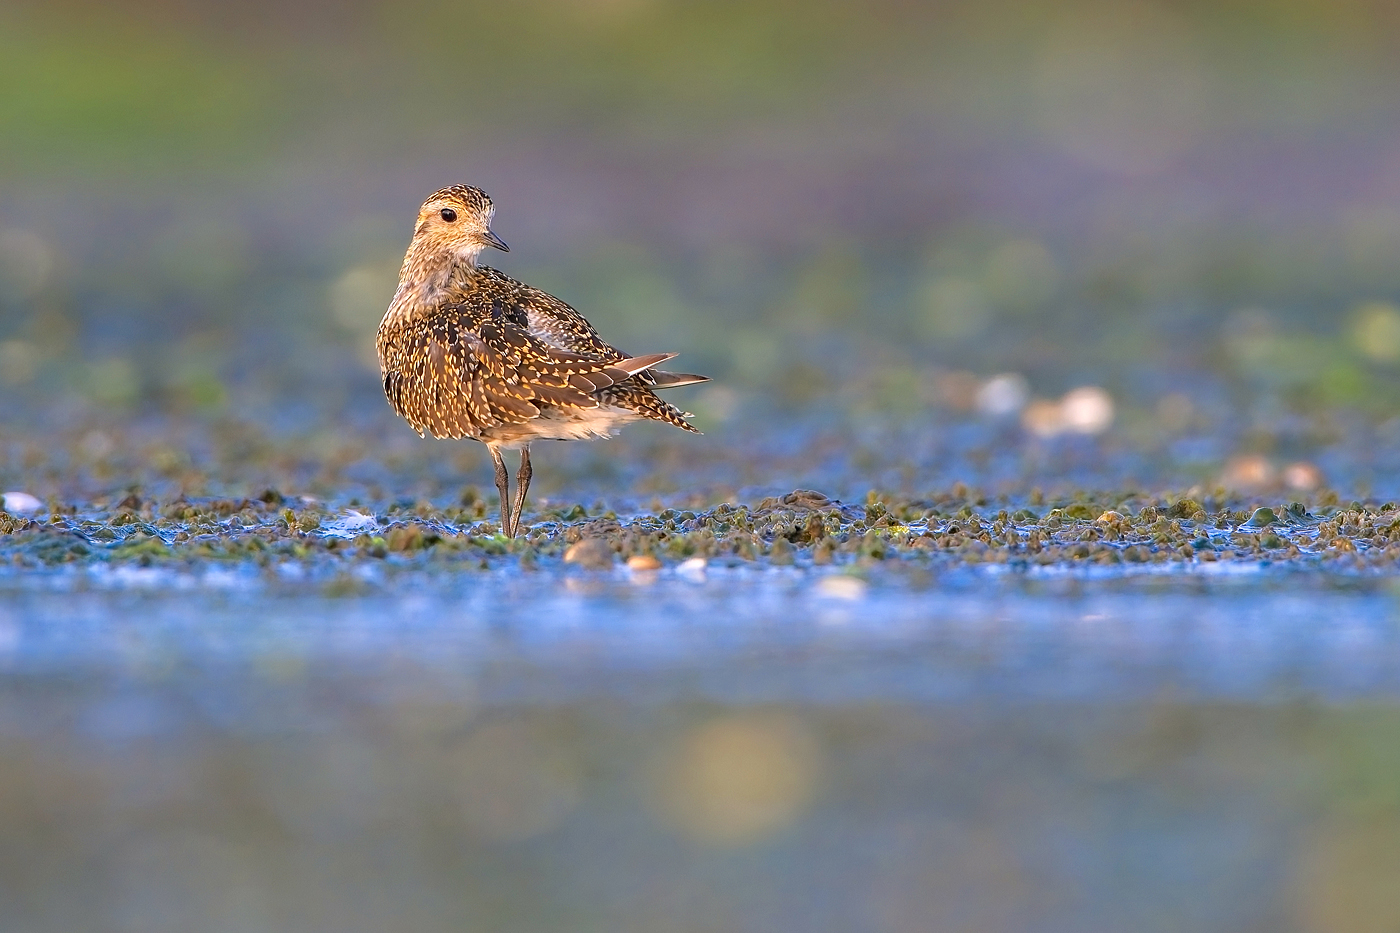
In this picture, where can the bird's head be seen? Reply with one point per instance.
(457, 221)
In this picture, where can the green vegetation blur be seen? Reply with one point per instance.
(829, 206)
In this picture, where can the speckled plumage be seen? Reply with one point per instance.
(466, 351)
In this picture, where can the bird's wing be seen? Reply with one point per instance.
(462, 370)
(559, 325)
(546, 317)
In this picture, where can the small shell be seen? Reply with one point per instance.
(593, 553)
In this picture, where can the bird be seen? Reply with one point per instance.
(466, 351)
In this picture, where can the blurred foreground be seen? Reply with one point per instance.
(744, 753)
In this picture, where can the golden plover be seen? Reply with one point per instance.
(467, 351)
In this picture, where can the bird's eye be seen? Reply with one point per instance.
(449, 215)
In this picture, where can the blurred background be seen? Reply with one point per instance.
(1014, 243)
(836, 209)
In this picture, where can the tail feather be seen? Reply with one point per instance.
(664, 380)
(646, 403)
(639, 364)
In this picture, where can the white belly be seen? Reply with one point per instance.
(554, 424)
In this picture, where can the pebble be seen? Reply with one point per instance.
(592, 553)
(21, 503)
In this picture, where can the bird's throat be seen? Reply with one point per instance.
(428, 279)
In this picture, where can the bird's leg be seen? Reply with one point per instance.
(522, 486)
(502, 480)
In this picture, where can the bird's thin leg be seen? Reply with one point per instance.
(522, 486)
(502, 480)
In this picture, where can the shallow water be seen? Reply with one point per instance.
(738, 748)
(745, 633)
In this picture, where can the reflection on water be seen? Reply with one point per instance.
(750, 751)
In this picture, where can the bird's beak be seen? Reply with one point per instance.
(495, 241)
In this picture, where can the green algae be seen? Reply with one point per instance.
(1262, 518)
(956, 528)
